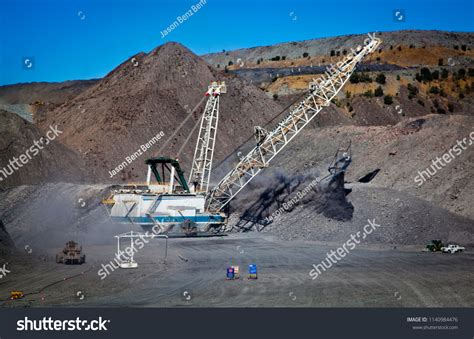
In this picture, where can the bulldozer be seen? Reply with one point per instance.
(435, 246)
(71, 254)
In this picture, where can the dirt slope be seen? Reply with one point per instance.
(151, 93)
(319, 49)
(446, 60)
(54, 162)
(6, 243)
(33, 98)
(399, 151)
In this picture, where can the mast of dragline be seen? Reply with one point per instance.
(202, 162)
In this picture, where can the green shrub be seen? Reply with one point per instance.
(354, 79)
(378, 92)
(461, 73)
(380, 78)
(387, 100)
(364, 77)
(444, 74)
(426, 74)
(412, 91)
(368, 94)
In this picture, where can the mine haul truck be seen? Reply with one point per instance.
(71, 254)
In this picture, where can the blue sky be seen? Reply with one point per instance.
(83, 39)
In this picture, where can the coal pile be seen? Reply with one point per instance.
(283, 193)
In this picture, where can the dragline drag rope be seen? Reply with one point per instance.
(198, 122)
(179, 127)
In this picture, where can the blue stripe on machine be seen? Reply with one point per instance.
(168, 219)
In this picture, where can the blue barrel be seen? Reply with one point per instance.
(230, 273)
(252, 271)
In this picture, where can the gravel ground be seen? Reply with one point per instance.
(368, 276)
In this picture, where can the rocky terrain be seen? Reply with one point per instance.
(439, 208)
(103, 121)
(54, 162)
(28, 99)
(156, 92)
(408, 104)
(6, 244)
(414, 73)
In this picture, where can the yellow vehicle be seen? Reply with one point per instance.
(16, 295)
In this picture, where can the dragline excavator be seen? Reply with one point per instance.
(192, 207)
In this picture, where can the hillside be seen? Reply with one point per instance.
(28, 99)
(320, 49)
(54, 162)
(107, 120)
(420, 72)
(6, 244)
(136, 101)
(440, 208)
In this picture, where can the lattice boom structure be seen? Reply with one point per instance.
(204, 151)
(321, 92)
